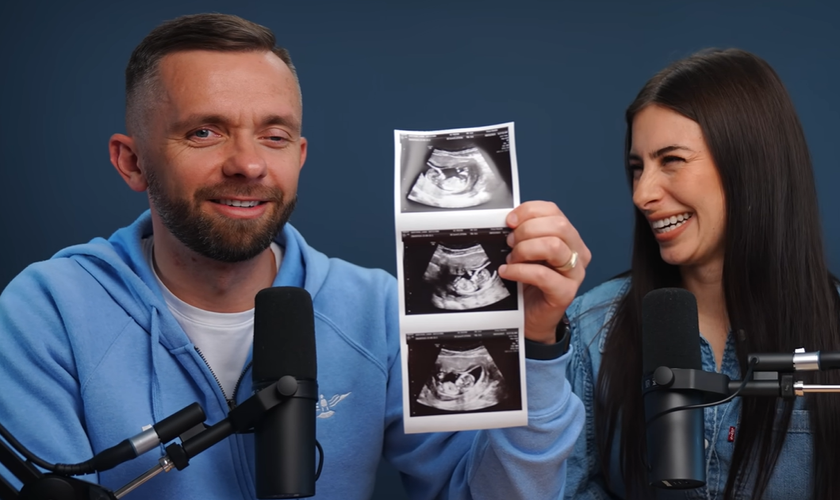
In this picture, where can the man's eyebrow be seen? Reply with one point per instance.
(286, 121)
(198, 119)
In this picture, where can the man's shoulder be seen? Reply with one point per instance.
(56, 272)
(342, 269)
(73, 276)
(358, 288)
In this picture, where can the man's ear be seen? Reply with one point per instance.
(303, 146)
(123, 152)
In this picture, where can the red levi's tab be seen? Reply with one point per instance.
(731, 437)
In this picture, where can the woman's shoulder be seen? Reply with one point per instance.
(590, 313)
(606, 294)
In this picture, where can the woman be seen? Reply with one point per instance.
(726, 209)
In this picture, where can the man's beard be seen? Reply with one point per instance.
(214, 236)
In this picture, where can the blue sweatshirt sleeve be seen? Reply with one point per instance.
(513, 463)
(40, 403)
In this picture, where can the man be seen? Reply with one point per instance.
(112, 335)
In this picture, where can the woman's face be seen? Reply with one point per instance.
(677, 187)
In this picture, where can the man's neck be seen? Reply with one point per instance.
(209, 284)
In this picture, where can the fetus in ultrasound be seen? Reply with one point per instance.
(463, 380)
(462, 280)
(455, 179)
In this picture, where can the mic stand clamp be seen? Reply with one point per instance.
(716, 386)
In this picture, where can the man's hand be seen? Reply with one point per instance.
(550, 259)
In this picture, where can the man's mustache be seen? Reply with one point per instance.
(228, 190)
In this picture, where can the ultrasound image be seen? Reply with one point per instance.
(462, 280)
(463, 372)
(456, 271)
(463, 381)
(454, 179)
(460, 171)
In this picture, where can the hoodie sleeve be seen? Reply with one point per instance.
(40, 403)
(512, 463)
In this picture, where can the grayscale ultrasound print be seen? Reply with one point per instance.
(456, 271)
(465, 172)
(449, 374)
(462, 279)
(455, 179)
(464, 381)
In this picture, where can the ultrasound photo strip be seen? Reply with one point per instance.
(453, 191)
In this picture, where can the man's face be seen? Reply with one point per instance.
(222, 150)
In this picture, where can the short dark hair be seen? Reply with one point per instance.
(214, 32)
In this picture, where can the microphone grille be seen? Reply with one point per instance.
(284, 335)
(670, 335)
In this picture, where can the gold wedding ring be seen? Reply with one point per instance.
(568, 266)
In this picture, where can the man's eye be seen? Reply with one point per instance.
(202, 133)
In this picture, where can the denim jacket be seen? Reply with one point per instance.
(589, 315)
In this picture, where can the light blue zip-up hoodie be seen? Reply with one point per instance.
(90, 353)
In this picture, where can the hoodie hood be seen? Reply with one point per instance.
(119, 265)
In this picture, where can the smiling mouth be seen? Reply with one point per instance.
(239, 203)
(668, 224)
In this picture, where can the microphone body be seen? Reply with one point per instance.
(675, 441)
(285, 449)
(284, 439)
(670, 337)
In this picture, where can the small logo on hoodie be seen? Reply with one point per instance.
(325, 406)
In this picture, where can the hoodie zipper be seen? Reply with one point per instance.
(238, 383)
(231, 402)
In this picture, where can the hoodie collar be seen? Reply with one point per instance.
(118, 264)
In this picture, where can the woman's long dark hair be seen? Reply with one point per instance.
(779, 293)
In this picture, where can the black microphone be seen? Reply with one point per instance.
(670, 338)
(284, 439)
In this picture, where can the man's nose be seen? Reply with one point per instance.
(245, 160)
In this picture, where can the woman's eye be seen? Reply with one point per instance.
(671, 159)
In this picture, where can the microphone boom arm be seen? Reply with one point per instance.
(240, 420)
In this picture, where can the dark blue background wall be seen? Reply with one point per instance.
(563, 71)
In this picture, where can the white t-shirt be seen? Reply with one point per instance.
(222, 339)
